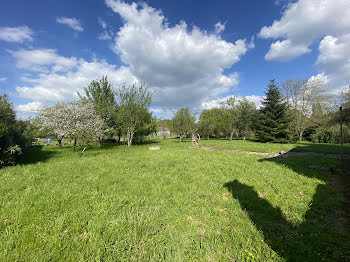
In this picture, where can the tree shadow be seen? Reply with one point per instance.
(316, 239)
(35, 154)
(321, 148)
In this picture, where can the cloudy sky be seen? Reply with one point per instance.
(191, 53)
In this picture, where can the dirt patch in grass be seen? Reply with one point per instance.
(225, 196)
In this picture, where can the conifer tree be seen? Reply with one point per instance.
(274, 123)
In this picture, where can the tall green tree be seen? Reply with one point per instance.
(246, 117)
(133, 114)
(101, 94)
(230, 106)
(213, 122)
(274, 122)
(183, 122)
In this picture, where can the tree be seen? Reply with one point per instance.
(246, 117)
(213, 122)
(274, 123)
(345, 102)
(57, 118)
(232, 114)
(183, 122)
(84, 122)
(301, 96)
(133, 111)
(13, 137)
(101, 94)
(77, 120)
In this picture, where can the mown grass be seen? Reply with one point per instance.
(275, 148)
(175, 204)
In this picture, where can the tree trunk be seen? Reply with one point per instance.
(130, 136)
(208, 137)
(301, 135)
(180, 138)
(74, 144)
(60, 143)
(99, 142)
(244, 138)
(231, 135)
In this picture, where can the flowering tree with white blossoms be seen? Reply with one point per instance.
(56, 118)
(77, 119)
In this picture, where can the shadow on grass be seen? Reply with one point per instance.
(321, 148)
(35, 154)
(316, 239)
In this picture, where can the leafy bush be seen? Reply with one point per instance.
(331, 134)
(14, 134)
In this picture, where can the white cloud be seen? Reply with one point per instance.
(107, 33)
(304, 22)
(219, 28)
(184, 65)
(31, 107)
(59, 77)
(3, 79)
(43, 60)
(73, 23)
(218, 101)
(334, 61)
(102, 22)
(163, 112)
(285, 50)
(18, 34)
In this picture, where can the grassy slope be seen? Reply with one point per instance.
(175, 204)
(274, 148)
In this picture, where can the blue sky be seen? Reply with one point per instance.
(191, 53)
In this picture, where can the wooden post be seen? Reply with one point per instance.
(341, 141)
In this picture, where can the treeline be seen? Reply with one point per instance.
(102, 113)
(295, 110)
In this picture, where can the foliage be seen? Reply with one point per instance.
(246, 117)
(14, 134)
(331, 134)
(133, 114)
(183, 122)
(230, 106)
(302, 96)
(101, 94)
(77, 120)
(274, 123)
(213, 122)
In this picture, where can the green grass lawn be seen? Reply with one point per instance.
(275, 148)
(175, 204)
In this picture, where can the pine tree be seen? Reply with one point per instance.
(274, 123)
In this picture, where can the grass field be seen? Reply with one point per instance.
(175, 204)
(275, 148)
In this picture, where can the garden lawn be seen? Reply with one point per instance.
(175, 204)
(253, 146)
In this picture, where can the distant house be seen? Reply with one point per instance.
(163, 133)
